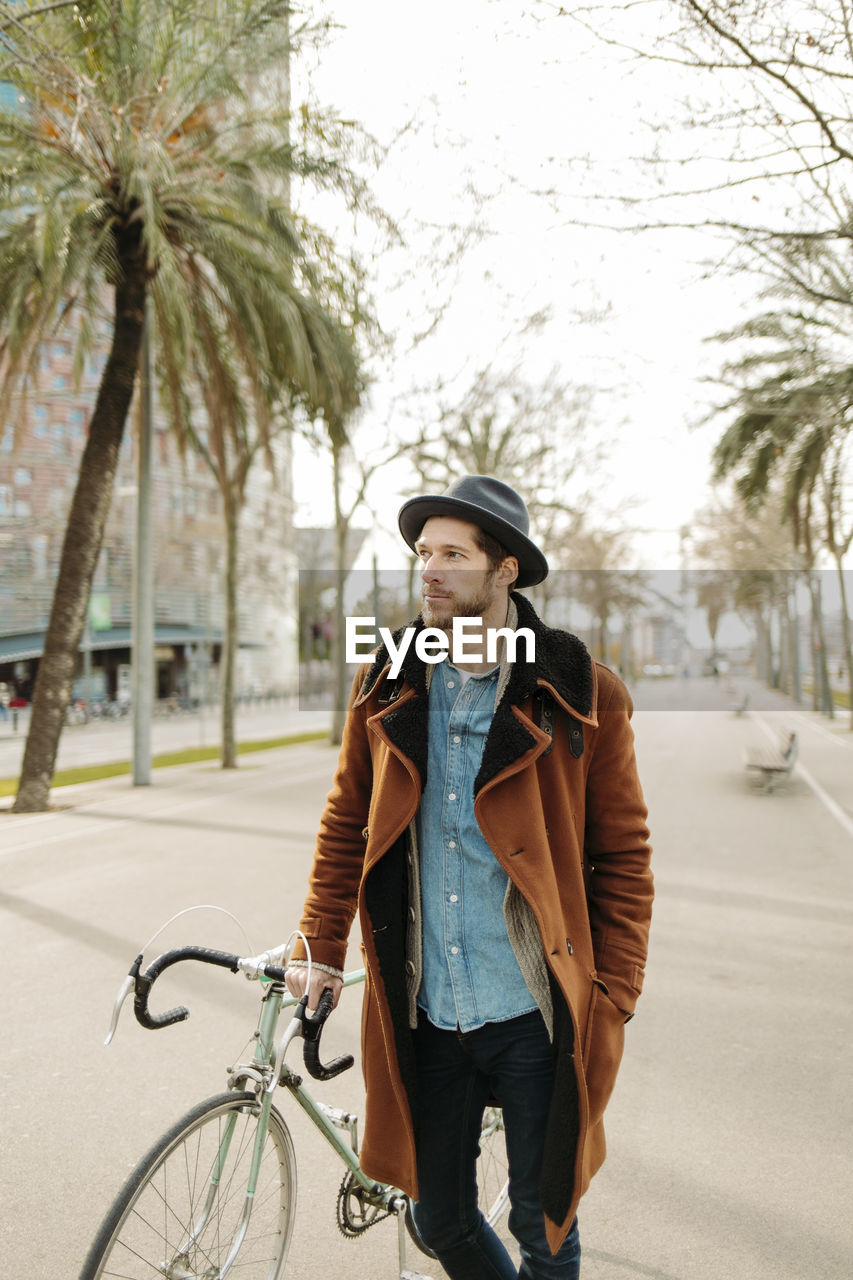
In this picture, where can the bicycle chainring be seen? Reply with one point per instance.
(356, 1211)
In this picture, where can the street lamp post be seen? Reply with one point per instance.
(142, 640)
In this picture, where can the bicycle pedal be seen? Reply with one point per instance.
(344, 1120)
(341, 1119)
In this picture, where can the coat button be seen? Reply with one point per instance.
(410, 968)
(412, 913)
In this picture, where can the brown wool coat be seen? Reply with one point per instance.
(569, 832)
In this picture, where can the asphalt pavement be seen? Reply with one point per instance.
(731, 1127)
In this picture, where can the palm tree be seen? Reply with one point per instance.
(140, 168)
(795, 423)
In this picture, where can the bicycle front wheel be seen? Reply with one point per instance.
(185, 1213)
(492, 1167)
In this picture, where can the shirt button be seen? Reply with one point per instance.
(452, 795)
(454, 898)
(451, 844)
(454, 951)
(451, 684)
(457, 738)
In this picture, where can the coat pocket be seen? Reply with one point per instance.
(603, 1047)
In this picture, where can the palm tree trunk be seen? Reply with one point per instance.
(824, 700)
(846, 636)
(792, 642)
(82, 544)
(338, 655)
(232, 638)
(763, 645)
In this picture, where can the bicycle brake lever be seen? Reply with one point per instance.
(124, 991)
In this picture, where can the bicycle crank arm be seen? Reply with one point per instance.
(406, 1273)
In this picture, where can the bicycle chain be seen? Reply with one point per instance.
(350, 1226)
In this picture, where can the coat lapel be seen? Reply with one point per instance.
(563, 663)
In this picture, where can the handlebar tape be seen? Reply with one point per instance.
(145, 981)
(311, 1030)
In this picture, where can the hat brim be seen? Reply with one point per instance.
(532, 565)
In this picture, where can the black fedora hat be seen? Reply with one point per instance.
(488, 503)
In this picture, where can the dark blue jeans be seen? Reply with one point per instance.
(457, 1075)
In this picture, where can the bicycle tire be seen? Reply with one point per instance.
(492, 1176)
(149, 1229)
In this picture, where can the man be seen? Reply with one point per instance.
(488, 824)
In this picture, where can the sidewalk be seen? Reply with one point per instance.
(108, 741)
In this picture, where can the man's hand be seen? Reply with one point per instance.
(295, 977)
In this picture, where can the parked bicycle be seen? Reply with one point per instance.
(217, 1192)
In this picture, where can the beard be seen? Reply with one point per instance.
(457, 604)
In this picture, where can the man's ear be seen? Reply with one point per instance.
(508, 572)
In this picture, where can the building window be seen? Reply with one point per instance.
(39, 555)
(40, 421)
(22, 509)
(6, 500)
(23, 476)
(77, 423)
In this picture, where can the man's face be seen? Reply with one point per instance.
(457, 581)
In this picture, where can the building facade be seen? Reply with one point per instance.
(40, 448)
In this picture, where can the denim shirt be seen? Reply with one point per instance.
(470, 973)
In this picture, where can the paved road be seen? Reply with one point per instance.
(732, 1124)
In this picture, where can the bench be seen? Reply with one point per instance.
(774, 764)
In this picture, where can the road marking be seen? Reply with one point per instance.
(823, 731)
(832, 806)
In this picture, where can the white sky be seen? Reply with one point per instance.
(511, 104)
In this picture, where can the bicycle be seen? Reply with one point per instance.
(218, 1190)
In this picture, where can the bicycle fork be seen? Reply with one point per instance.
(260, 1072)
